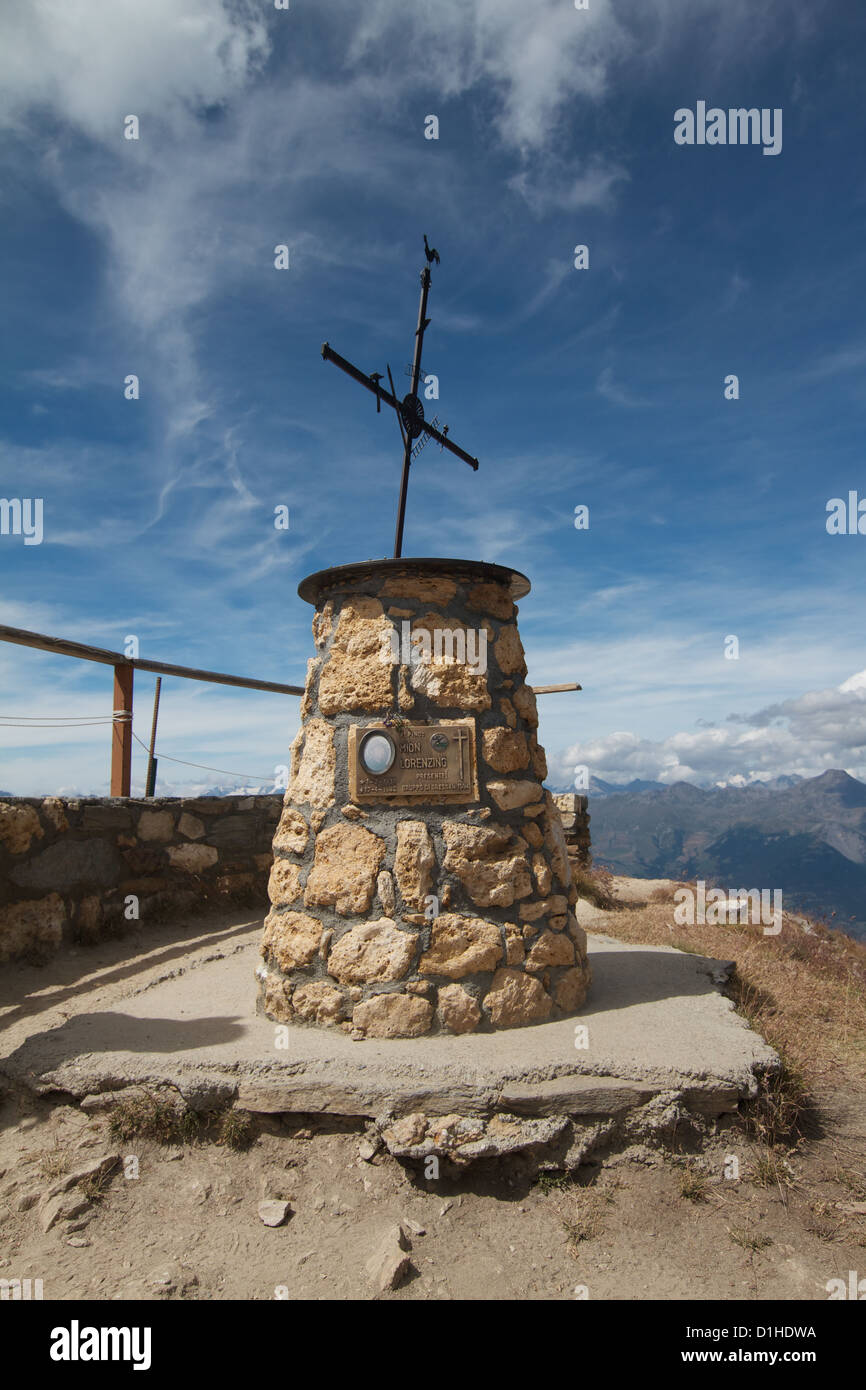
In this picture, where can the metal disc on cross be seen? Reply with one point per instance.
(412, 415)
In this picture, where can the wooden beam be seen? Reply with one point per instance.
(61, 647)
(121, 732)
(553, 689)
(215, 677)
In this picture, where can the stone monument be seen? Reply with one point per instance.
(420, 882)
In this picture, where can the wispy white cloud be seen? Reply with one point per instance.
(847, 359)
(549, 185)
(534, 58)
(614, 391)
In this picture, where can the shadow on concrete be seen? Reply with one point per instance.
(107, 1031)
(30, 990)
(622, 979)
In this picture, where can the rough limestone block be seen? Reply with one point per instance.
(276, 997)
(525, 704)
(156, 826)
(292, 832)
(493, 599)
(570, 989)
(512, 796)
(313, 782)
(514, 950)
(354, 676)
(445, 680)
(345, 868)
(372, 952)
(193, 859)
(318, 1002)
(18, 826)
(462, 946)
(284, 883)
(505, 750)
(554, 842)
(414, 862)
(538, 757)
(484, 859)
(551, 948)
(385, 890)
(292, 939)
(516, 999)
(458, 1010)
(541, 874)
(543, 907)
(508, 650)
(36, 925)
(509, 713)
(393, 1016)
(190, 826)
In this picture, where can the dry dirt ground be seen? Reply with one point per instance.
(643, 1225)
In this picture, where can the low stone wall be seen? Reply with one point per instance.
(85, 869)
(574, 814)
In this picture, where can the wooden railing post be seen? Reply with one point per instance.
(121, 731)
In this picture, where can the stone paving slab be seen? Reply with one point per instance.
(657, 1022)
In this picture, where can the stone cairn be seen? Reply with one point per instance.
(402, 917)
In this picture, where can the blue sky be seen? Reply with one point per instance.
(602, 387)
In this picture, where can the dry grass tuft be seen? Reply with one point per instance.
(54, 1162)
(772, 1169)
(95, 1186)
(693, 1183)
(747, 1239)
(153, 1117)
(168, 1121)
(659, 895)
(594, 883)
(234, 1129)
(584, 1211)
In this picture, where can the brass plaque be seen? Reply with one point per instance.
(427, 762)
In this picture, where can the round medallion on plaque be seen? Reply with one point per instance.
(377, 754)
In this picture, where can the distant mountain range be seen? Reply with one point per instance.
(598, 787)
(805, 836)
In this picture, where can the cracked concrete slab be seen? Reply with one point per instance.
(656, 1026)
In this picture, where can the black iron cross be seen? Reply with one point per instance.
(410, 411)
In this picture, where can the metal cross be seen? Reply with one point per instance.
(410, 411)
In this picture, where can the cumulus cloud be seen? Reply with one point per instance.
(820, 729)
(92, 62)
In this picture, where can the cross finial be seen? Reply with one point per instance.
(409, 411)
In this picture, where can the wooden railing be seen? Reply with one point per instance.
(124, 670)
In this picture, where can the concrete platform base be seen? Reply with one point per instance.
(657, 1048)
